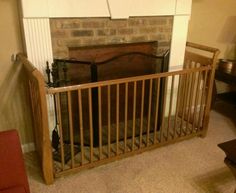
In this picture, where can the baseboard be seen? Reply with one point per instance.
(28, 147)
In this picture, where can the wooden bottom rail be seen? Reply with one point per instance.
(128, 154)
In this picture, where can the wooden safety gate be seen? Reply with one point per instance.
(143, 123)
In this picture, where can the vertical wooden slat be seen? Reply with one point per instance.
(156, 110)
(60, 131)
(36, 106)
(177, 103)
(149, 112)
(184, 101)
(141, 116)
(186, 107)
(109, 119)
(81, 126)
(164, 107)
(36, 110)
(90, 125)
(126, 115)
(117, 117)
(71, 130)
(33, 98)
(134, 114)
(191, 99)
(208, 102)
(202, 100)
(100, 122)
(170, 105)
(196, 100)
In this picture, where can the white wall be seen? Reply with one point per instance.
(214, 23)
(14, 107)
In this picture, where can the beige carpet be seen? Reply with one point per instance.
(191, 166)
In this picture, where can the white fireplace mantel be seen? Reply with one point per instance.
(36, 15)
(115, 9)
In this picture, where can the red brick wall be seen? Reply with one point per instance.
(93, 31)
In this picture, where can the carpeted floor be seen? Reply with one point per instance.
(192, 166)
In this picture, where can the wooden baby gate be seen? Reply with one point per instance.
(185, 113)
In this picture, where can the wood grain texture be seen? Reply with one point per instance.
(40, 118)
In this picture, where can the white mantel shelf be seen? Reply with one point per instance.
(116, 9)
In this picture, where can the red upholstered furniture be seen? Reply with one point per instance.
(13, 177)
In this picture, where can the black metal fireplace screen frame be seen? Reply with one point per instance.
(60, 78)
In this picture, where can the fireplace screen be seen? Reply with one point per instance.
(109, 62)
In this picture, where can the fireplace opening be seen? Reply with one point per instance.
(123, 105)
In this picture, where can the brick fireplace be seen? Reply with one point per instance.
(79, 32)
(52, 26)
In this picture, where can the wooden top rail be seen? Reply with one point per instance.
(202, 47)
(126, 80)
(27, 64)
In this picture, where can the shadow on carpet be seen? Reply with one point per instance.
(215, 181)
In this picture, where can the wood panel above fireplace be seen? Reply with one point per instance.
(111, 62)
(99, 53)
(121, 66)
